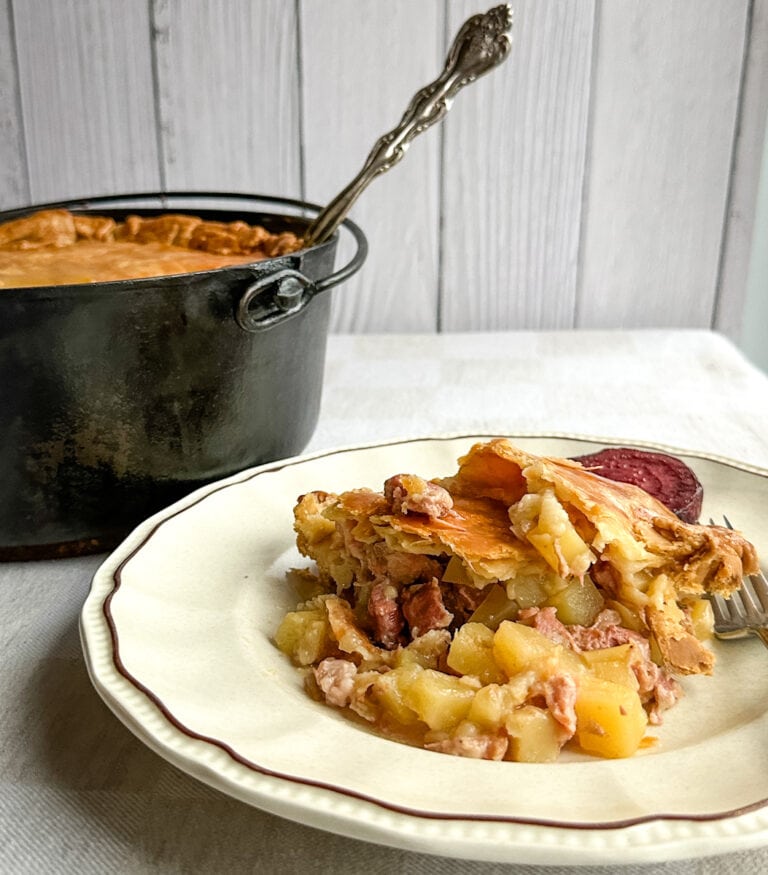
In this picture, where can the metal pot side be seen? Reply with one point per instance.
(118, 398)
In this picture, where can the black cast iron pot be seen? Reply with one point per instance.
(117, 398)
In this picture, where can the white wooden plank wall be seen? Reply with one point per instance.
(514, 167)
(604, 176)
(86, 97)
(666, 90)
(228, 95)
(14, 179)
(748, 154)
(361, 69)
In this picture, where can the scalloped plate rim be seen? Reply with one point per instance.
(654, 837)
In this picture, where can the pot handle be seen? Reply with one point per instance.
(277, 296)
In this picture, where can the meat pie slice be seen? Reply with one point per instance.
(518, 605)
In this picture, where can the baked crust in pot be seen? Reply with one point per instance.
(57, 247)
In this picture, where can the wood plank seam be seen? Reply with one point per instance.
(716, 304)
(154, 33)
(584, 208)
(744, 177)
(441, 199)
(18, 100)
(300, 100)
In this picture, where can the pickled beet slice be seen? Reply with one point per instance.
(666, 478)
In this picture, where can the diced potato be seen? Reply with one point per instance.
(528, 592)
(440, 700)
(613, 664)
(656, 655)
(304, 636)
(492, 703)
(630, 618)
(518, 648)
(494, 608)
(389, 692)
(456, 572)
(534, 735)
(611, 720)
(471, 653)
(702, 619)
(556, 538)
(426, 651)
(578, 603)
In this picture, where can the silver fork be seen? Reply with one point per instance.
(745, 612)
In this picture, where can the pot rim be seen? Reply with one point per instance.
(303, 211)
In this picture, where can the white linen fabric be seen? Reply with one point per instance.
(79, 793)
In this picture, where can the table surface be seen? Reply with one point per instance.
(79, 793)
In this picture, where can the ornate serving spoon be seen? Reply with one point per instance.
(481, 44)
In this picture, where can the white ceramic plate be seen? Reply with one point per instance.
(177, 636)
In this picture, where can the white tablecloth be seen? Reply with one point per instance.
(78, 793)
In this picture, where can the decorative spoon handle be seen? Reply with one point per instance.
(481, 44)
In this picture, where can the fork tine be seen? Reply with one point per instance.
(737, 609)
(760, 586)
(750, 600)
(719, 609)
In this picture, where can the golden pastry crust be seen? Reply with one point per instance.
(57, 247)
(476, 529)
(624, 525)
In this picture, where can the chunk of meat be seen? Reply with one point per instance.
(386, 616)
(407, 493)
(606, 631)
(665, 693)
(606, 577)
(336, 680)
(462, 601)
(656, 688)
(479, 747)
(423, 608)
(559, 692)
(545, 620)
